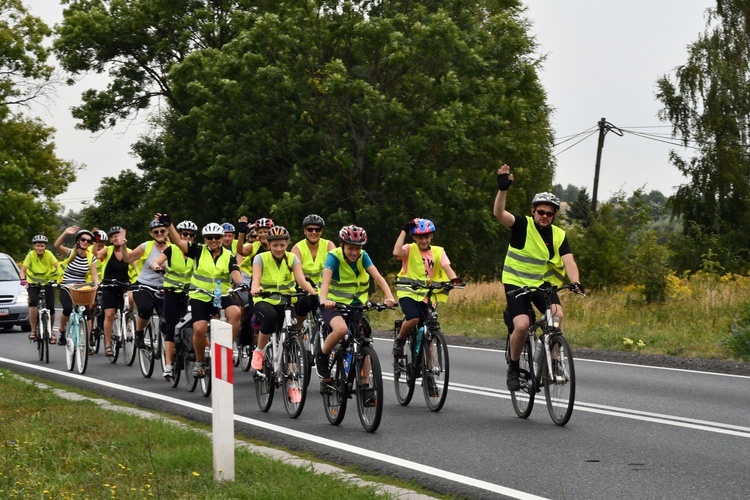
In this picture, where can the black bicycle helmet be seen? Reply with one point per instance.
(278, 233)
(313, 220)
(114, 230)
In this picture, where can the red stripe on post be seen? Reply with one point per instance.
(218, 361)
(230, 365)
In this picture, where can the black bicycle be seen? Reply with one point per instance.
(43, 322)
(153, 333)
(123, 324)
(355, 371)
(546, 360)
(425, 352)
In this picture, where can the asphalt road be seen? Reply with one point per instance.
(636, 432)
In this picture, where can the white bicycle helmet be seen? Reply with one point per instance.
(39, 238)
(212, 228)
(187, 225)
(546, 198)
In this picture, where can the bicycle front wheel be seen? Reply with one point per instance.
(146, 353)
(560, 385)
(188, 360)
(82, 346)
(369, 381)
(295, 375)
(43, 332)
(264, 381)
(404, 376)
(246, 355)
(70, 348)
(205, 382)
(127, 338)
(435, 370)
(334, 391)
(523, 399)
(177, 367)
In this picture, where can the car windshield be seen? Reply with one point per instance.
(8, 271)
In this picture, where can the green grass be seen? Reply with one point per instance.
(55, 448)
(695, 320)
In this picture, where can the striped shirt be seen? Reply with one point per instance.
(76, 270)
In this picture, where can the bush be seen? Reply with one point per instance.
(738, 342)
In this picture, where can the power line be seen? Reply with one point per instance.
(576, 143)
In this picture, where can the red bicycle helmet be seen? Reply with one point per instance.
(353, 235)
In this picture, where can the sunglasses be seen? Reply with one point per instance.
(213, 237)
(188, 235)
(160, 231)
(85, 240)
(314, 229)
(546, 214)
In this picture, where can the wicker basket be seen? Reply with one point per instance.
(82, 297)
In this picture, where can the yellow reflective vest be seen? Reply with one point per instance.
(278, 277)
(207, 274)
(416, 273)
(179, 269)
(351, 286)
(313, 268)
(40, 269)
(531, 265)
(247, 263)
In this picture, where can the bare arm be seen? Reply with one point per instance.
(301, 280)
(398, 247)
(60, 239)
(506, 218)
(296, 251)
(382, 284)
(325, 285)
(257, 276)
(571, 268)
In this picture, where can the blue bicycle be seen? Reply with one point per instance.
(76, 344)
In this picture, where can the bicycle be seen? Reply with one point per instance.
(425, 353)
(243, 353)
(153, 335)
(76, 343)
(123, 326)
(355, 351)
(285, 361)
(43, 323)
(545, 361)
(312, 338)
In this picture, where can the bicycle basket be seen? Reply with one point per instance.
(82, 295)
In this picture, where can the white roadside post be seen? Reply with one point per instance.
(222, 400)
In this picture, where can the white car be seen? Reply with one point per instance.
(14, 299)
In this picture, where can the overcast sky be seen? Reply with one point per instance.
(603, 60)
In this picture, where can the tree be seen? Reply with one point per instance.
(30, 173)
(708, 103)
(580, 209)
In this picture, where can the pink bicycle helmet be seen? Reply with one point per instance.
(353, 235)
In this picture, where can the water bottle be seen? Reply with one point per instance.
(420, 334)
(217, 294)
(347, 361)
(538, 354)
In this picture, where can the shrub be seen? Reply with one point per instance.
(738, 342)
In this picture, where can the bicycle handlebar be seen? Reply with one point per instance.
(433, 285)
(547, 290)
(378, 306)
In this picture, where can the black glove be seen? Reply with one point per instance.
(242, 227)
(408, 226)
(578, 288)
(165, 219)
(457, 282)
(503, 182)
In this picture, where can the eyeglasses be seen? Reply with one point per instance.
(213, 237)
(160, 231)
(314, 229)
(188, 235)
(85, 240)
(546, 214)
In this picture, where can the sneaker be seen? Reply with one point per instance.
(199, 370)
(257, 362)
(322, 366)
(514, 384)
(60, 340)
(432, 388)
(295, 395)
(139, 343)
(168, 372)
(398, 347)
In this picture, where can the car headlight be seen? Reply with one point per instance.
(23, 297)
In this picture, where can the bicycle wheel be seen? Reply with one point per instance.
(161, 344)
(70, 348)
(205, 382)
(96, 336)
(127, 338)
(177, 364)
(523, 399)
(236, 348)
(369, 383)
(404, 376)
(245, 355)
(560, 386)
(295, 368)
(264, 381)
(189, 363)
(307, 336)
(335, 394)
(435, 369)
(146, 353)
(43, 331)
(82, 346)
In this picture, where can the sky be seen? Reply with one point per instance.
(603, 59)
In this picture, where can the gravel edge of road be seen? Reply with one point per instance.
(730, 367)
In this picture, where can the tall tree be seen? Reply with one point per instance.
(708, 103)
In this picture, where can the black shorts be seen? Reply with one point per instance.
(413, 309)
(146, 301)
(204, 311)
(521, 305)
(112, 297)
(50, 299)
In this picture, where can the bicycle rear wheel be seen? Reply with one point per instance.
(127, 339)
(334, 392)
(295, 368)
(177, 365)
(189, 364)
(43, 332)
(435, 369)
(161, 343)
(369, 382)
(264, 381)
(146, 353)
(82, 346)
(560, 386)
(523, 399)
(70, 348)
(205, 382)
(404, 376)
(245, 355)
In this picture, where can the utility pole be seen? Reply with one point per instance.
(604, 127)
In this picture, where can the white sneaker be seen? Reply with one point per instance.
(168, 373)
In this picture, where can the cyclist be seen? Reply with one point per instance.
(214, 267)
(79, 266)
(144, 256)
(346, 278)
(228, 240)
(115, 268)
(538, 254)
(312, 253)
(421, 262)
(179, 270)
(275, 271)
(248, 251)
(40, 268)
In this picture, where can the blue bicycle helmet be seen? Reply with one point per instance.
(423, 226)
(227, 227)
